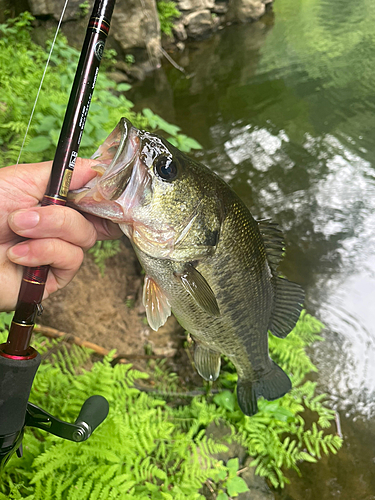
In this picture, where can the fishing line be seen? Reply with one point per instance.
(41, 81)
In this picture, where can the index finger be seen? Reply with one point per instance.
(31, 179)
(83, 172)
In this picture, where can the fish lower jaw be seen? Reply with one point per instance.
(95, 204)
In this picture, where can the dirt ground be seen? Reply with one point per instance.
(108, 311)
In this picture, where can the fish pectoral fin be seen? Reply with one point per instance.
(156, 304)
(289, 298)
(196, 286)
(273, 385)
(207, 362)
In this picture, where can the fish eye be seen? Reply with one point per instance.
(165, 168)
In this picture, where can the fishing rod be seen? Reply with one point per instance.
(19, 361)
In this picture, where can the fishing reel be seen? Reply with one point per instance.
(16, 377)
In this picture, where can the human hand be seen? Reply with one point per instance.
(58, 235)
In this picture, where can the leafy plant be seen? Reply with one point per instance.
(84, 8)
(230, 480)
(278, 436)
(140, 451)
(103, 250)
(167, 13)
(129, 59)
(22, 63)
(148, 449)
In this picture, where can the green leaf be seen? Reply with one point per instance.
(123, 87)
(221, 475)
(222, 496)
(308, 458)
(46, 123)
(191, 143)
(225, 399)
(38, 144)
(174, 142)
(233, 465)
(236, 485)
(167, 127)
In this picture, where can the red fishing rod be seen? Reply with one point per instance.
(19, 361)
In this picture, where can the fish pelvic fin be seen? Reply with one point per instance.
(207, 362)
(273, 385)
(289, 298)
(196, 286)
(156, 304)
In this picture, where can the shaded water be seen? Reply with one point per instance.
(284, 109)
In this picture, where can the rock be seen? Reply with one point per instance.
(54, 8)
(245, 10)
(221, 8)
(118, 77)
(136, 24)
(179, 32)
(258, 489)
(199, 24)
(219, 433)
(122, 66)
(195, 4)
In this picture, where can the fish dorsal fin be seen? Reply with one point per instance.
(207, 362)
(156, 304)
(273, 240)
(288, 302)
(196, 286)
(289, 296)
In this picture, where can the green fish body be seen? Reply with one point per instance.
(206, 259)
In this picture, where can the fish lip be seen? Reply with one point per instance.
(116, 177)
(113, 170)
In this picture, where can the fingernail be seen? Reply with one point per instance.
(19, 250)
(25, 219)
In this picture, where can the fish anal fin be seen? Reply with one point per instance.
(156, 304)
(196, 285)
(246, 397)
(287, 308)
(272, 385)
(207, 362)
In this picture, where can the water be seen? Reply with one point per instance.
(284, 110)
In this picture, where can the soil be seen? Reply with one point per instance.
(107, 310)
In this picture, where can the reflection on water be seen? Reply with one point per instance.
(284, 109)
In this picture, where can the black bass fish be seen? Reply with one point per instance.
(206, 259)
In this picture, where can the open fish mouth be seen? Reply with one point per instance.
(119, 168)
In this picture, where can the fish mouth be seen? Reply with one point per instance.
(119, 167)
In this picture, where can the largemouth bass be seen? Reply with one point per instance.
(206, 259)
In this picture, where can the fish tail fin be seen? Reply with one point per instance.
(273, 385)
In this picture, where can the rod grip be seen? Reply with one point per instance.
(16, 378)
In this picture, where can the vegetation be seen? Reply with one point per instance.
(22, 63)
(103, 250)
(168, 12)
(150, 446)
